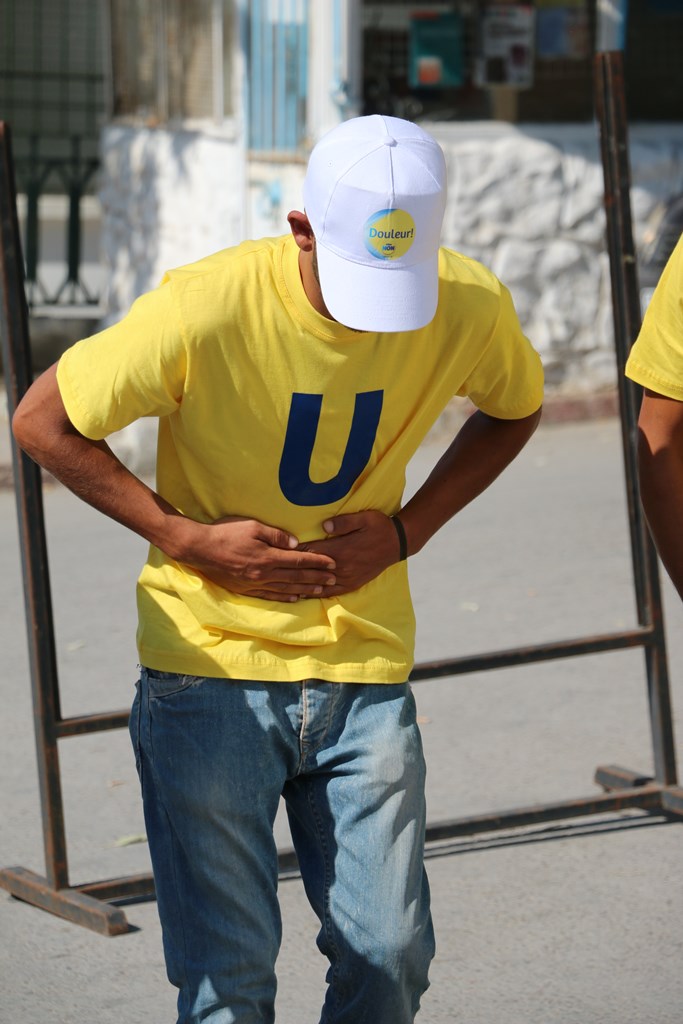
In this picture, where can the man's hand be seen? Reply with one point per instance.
(257, 560)
(362, 544)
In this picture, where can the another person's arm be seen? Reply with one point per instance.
(244, 556)
(660, 464)
(656, 362)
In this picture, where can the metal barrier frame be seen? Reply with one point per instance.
(92, 904)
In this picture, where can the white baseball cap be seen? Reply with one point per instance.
(375, 194)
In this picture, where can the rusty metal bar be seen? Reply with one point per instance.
(609, 100)
(647, 797)
(612, 776)
(71, 904)
(52, 892)
(16, 355)
(79, 725)
(528, 655)
(127, 887)
(88, 904)
(672, 801)
(611, 112)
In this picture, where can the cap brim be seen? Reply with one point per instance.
(382, 298)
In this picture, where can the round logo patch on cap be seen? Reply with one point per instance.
(389, 234)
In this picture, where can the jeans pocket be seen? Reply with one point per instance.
(165, 684)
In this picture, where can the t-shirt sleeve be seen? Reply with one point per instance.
(656, 358)
(133, 369)
(507, 379)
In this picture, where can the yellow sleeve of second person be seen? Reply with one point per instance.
(656, 359)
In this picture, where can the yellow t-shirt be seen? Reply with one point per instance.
(656, 358)
(269, 410)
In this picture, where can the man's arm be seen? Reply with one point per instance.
(242, 555)
(363, 544)
(480, 452)
(660, 466)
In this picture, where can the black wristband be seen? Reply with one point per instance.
(402, 541)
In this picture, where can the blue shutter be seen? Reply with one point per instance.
(277, 53)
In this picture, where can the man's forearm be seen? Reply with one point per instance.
(238, 554)
(91, 470)
(660, 470)
(482, 449)
(661, 490)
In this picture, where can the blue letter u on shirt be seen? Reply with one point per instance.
(302, 428)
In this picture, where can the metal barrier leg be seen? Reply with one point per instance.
(52, 892)
(611, 112)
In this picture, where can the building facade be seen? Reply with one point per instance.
(208, 109)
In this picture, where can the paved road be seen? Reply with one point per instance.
(578, 923)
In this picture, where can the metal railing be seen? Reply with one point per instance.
(39, 176)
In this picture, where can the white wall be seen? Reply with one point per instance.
(168, 198)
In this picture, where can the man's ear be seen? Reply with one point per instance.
(301, 230)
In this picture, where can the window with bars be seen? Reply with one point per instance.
(53, 95)
(170, 59)
(52, 73)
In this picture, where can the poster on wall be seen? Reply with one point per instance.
(435, 50)
(562, 30)
(506, 46)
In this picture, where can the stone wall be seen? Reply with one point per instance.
(528, 202)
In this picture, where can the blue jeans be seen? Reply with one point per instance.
(214, 758)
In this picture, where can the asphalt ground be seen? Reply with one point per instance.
(577, 922)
